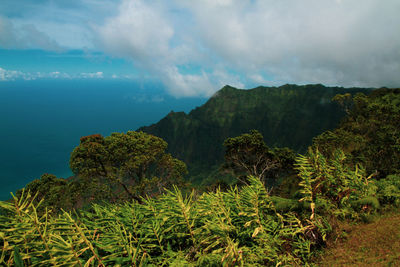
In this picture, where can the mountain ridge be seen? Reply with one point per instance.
(287, 116)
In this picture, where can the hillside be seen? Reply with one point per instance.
(287, 116)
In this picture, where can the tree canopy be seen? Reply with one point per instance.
(248, 154)
(135, 161)
(370, 132)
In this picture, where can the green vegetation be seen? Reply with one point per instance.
(248, 154)
(111, 169)
(287, 116)
(238, 227)
(124, 206)
(135, 161)
(370, 132)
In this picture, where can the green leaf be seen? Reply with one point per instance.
(17, 258)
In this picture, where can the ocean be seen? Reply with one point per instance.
(42, 121)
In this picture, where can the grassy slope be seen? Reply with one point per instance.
(372, 244)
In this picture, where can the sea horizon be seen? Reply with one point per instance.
(43, 120)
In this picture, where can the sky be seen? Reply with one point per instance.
(194, 48)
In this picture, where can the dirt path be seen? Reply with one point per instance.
(373, 244)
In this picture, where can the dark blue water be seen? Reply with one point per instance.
(41, 121)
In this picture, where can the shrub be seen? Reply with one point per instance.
(389, 190)
(366, 203)
(236, 227)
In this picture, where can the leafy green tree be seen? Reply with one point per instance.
(49, 189)
(286, 180)
(345, 100)
(135, 161)
(286, 158)
(369, 134)
(89, 158)
(57, 194)
(248, 154)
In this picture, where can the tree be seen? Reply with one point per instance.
(345, 101)
(248, 154)
(52, 191)
(135, 161)
(369, 134)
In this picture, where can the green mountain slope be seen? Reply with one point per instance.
(287, 116)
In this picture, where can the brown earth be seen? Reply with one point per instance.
(372, 244)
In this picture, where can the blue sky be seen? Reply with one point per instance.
(194, 48)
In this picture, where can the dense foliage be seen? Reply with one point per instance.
(49, 188)
(370, 132)
(59, 193)
(135, 161)
(287, 116)
(111, 169)
(245, 226)
(248, 155)
(331, 186)
(221, 228)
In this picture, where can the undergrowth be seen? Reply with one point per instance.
(238, 227)
(233, 228)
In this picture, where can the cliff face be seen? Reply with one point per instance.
(287, 116)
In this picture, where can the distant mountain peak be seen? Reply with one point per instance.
(228, 87)
(224, 90)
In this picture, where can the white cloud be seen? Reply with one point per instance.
(144, 98)
(236, 42)
(138, 32)
(92, 75)
(334, 42)
(186, 84)
(143, 33)
(258, 78)
(12, 75)
(56, 75)
(26, 36)
(7, 36)
(67, 23)
(312, 41)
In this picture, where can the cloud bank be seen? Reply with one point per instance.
(271, 42)
(26, 36)
(12, 75)
(196, 47)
